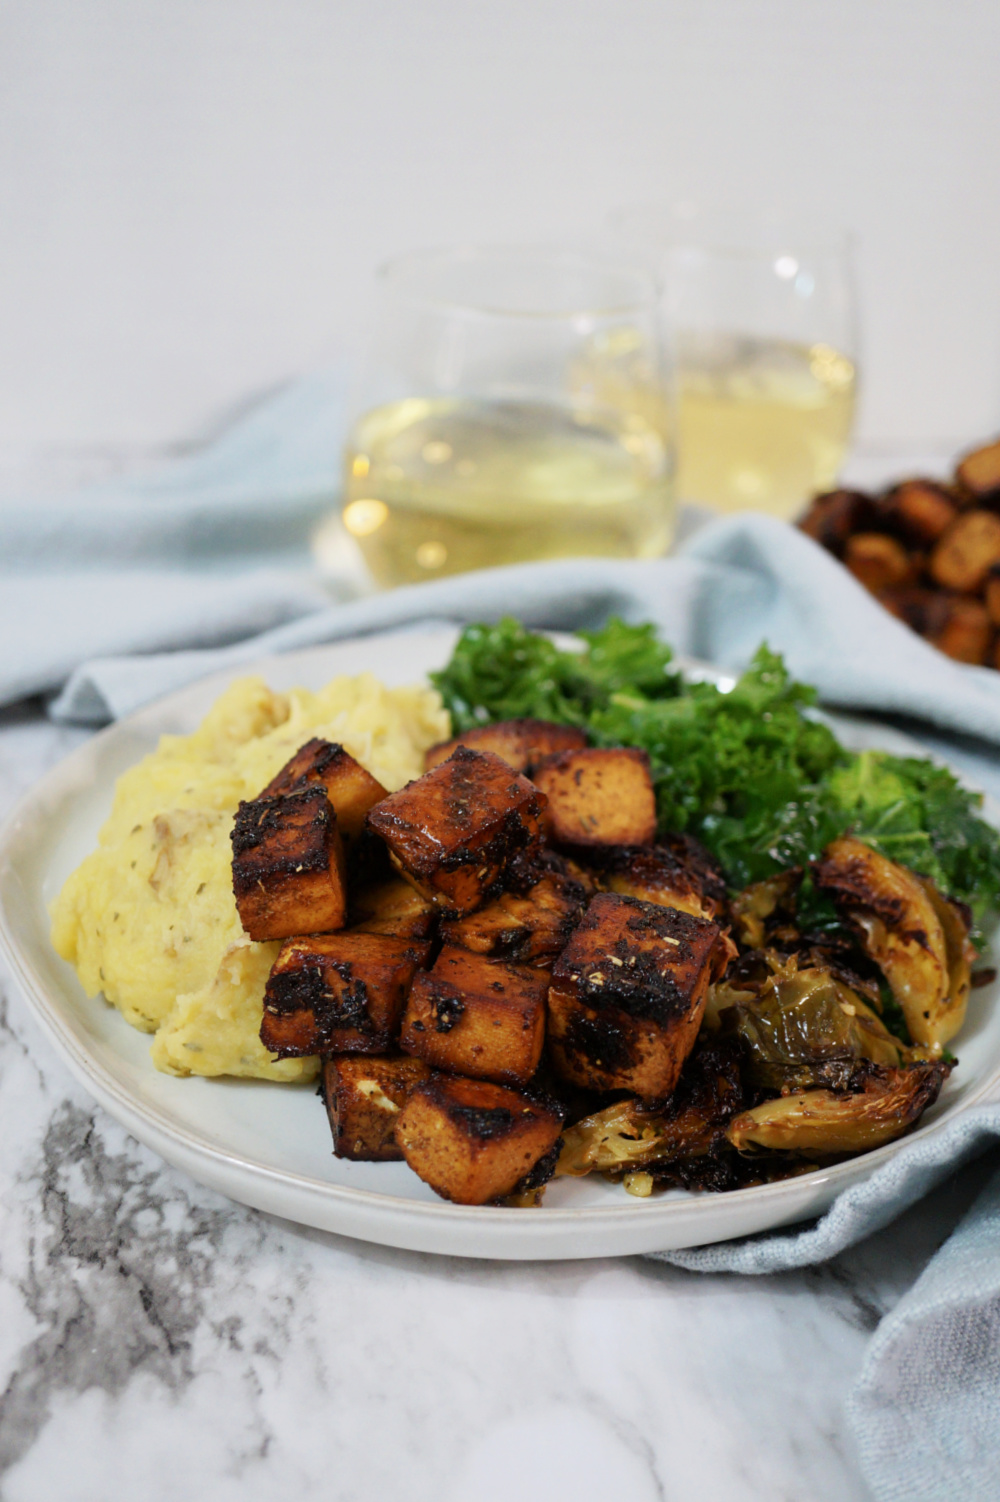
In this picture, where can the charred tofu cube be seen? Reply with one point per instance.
(350, 789)
(966, 552)
(879, 562)
(455, 831)
(288, 866)
(519, 742)
(338, 993)
(836, 516)
(978, 474)
(477, 1017)
(920, 509)
(657, 874)
(364, 1096)
(531, 929)
(393, 907)
(473, 1141)
(598, 797)
(628, 995)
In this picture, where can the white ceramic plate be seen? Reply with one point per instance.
(269, 1146)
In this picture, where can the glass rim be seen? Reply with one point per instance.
(391, 274)
(737, 231)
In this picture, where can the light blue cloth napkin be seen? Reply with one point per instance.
(208, 548)
(172, 568)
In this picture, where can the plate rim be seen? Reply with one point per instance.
(114, 1095)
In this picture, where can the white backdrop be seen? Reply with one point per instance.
(193, 192)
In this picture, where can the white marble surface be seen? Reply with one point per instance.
(159, 1343)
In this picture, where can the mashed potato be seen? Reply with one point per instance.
(149, 917)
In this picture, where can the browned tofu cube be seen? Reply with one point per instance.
(834, 517)
(364, 1096)
(519, 742)
(350, 789)
(992, 596)
(393, 907)
(531, 929)
(958, 625)
(479, 1017)
(920, 510)
(966, 552)
(658, 874)
(455, 831)
(473, 1141)
(879, 562)
(965, 631)
(598, 797)
(628, 995)
(288, 866)
(979, 474)
(338, 993)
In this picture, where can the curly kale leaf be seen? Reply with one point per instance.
(750, 772)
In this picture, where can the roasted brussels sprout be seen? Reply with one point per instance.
(631, 1134)
(824, 1122)
(918, 938)
(803, 1029)
(758, 906)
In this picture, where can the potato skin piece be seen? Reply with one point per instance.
(598, 796)
(477, 1017)
(473, 1141)
(519, 742)
(363, 1097)
(288, 866)
(338, 993)
(628, 995)
(455, 832)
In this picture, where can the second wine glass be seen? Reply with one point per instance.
(514, 407)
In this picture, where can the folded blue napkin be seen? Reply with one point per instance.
(204, 567)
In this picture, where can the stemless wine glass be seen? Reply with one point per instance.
(763, 321)
(514, 407)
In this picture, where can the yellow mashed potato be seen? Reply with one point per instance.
(149, 917)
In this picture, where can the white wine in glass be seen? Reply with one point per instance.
(763, 321)
(503, 446)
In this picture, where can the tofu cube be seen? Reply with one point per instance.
(350, 789)
(364, 1096)
(598, 797)
(477, 1017)
(338, 993)
(288, 866)
(393, 907)
(473, 1141)
(456, 830)
(966, 551)
(628, 995)
(978, 474)
(658, 874)
(519, 742)
(531, 929)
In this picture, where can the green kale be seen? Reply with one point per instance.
(750, 771)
